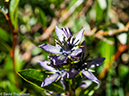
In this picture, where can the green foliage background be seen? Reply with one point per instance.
(25, 24)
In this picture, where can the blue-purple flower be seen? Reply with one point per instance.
(56, 73)
(66, 45)
(83, 65)
(69, 58)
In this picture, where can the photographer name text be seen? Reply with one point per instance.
(13, 94)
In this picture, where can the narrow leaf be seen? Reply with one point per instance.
(36, 77)
(4, 35)
(41, 16)
(13, 12)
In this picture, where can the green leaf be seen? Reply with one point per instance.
(4, 35)
(5, 72)
(8, 87)
(108, 85)
(2, 18)
(107, 51)
(36, 77)
(5, 40)
(109, 3)
(123, 71)
(4, 46)
(41, 16)
(36, 51)
(18, 59)
(99, 12)
(9, 66)
(13, 12)
(88, 91)
(121, 92)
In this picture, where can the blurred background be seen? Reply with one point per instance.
(26, 24)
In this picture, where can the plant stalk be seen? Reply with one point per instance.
(72, 88)
(12, 53)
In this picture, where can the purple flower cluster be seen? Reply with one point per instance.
(68, 58)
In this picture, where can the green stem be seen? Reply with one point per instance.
(70, 90)
(72, 87)
(12, 53)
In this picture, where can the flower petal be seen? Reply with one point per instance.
(90, 76)
(60, 34)
(50, 48)
(75, 52)
(69, 33)
(78, 37)
(94, 62)
(63, 75)
(72, 73)
(62, 82)
(50, 79)
(45, 65)
(86, 83)
(58, 60)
